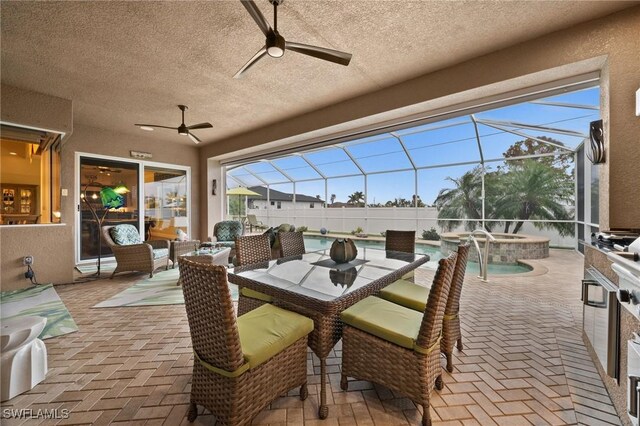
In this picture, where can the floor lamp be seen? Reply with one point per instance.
(110, 199)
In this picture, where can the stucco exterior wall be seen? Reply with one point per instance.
(614, 42)
(50, 245)
(53, 247)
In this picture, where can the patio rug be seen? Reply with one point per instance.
(92, 268)
(159, 290)
(42, 301)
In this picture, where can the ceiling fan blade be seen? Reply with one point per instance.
(251, 62)
(155, 125)
(331, 55)
(200, 126)
(257, 16)
(193, 137)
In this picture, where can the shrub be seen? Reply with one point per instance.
(384, 234)
(358, 230)
(302, 229)
(431, 235)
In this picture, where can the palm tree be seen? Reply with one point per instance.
(535, 190)
(356, 198)
(462, 201)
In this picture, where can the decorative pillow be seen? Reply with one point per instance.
(125, 235)
(228, 230)
(182, 236)
(271, 233)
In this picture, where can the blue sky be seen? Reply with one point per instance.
(444, 142)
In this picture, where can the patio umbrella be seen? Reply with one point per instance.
(240, 191)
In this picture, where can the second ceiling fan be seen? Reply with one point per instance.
(182, 128)
(276, 45)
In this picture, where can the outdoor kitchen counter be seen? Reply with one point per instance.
(595, 256)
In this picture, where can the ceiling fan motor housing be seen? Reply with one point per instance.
(275, 45)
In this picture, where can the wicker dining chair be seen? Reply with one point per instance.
(291, 243)
(252, 249)
(404, 241)
(415, 296)
(395, 346)
(240, 365)
(133, 254)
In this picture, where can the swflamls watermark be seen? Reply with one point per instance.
(29, 413)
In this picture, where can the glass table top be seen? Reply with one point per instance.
(206, 250)
(315, 275)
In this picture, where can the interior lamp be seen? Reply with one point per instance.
(110, 199)
(121, 188)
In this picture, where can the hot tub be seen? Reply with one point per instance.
(507, 248)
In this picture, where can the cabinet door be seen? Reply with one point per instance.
(27, 204)
(9, 199)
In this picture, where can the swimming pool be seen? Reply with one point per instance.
(322, 243)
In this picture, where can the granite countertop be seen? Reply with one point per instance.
(604, 248)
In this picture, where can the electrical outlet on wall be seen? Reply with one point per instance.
(27, 260)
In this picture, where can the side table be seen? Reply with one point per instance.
(218, 256)
(178, 248)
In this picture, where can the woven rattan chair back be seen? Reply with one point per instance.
(451, 332)
(291, 244)
(404, 241)
(453, 301)
(431, 327)
(212, 320)
(106, 236)
(252, 249)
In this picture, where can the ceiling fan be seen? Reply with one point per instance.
(276, 45)
(182, 128)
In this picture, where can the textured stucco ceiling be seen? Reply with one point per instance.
(128, 62)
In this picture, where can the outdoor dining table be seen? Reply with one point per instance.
(315, 286)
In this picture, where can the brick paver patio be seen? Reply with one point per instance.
(524, 362)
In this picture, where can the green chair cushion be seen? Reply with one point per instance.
(407, 294)
(161, 252)
(125, 235)
(386, 320)
(268, 330)
(247, 292)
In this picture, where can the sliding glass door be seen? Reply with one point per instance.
(153, 197)
(165, 202)
(98, 177)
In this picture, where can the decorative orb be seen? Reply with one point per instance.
(343, 250)
(323, 231)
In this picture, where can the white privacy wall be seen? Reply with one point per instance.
(378, 219)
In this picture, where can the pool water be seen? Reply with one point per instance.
(321, 243)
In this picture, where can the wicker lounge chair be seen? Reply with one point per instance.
(240, 365)
(225, 234)
(252, 249)
(131, 253)
(291, 243)
(396, 346)
(414, 296)
(253, 222)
